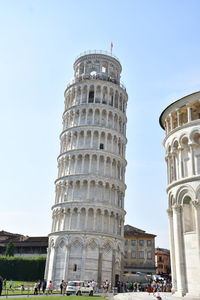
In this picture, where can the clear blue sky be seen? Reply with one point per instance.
(158, 45)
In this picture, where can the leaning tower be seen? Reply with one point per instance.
(87, 235)
(181, 121)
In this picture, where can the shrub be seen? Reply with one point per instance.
(21, 268)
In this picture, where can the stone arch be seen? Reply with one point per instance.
(95, 140)
(100, 189)
(116, 104)
(98, 94)
(103, 117)
(88, 139)
(175, 145)
(92, 190)
(67, 219)
(195, 136)
(171, 200)
(105, 95)
(110, 119)
(106, 220)
(84, 94)
(101, 164)
(183, 191)
(77, 187)
(82, 218)
(97, 116)
(98, 220)
(74, 218)
(102, 140)
(111, 97)
(94, 164)
(188, 214)
(184, 141)
(116, 122)
(197, 194)
(90, 224)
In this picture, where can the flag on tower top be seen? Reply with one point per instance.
(111, 47)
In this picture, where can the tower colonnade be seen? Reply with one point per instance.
(93, 219)
(87, 236)
(98, 115)
(182, 146)
(109, 94)
(96, 138)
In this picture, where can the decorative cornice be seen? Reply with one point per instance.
(182, 181)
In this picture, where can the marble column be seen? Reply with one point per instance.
(179, 250)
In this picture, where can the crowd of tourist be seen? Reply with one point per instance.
(152, 286)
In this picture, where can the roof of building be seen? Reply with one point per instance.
(130, 231)
(21, 240)
(162, 250)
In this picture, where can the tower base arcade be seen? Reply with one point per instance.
(75, 256)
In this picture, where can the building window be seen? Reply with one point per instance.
(133, 242)
(126, 242)
(149, 243)
(141, 242)
(125, 254)
(149, 255)
(141, 254)
(133, 254)
(75, 268)
(101, 146)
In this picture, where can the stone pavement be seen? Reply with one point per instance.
(146, 296)
(142, 296)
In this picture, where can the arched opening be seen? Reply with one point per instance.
(188, 215)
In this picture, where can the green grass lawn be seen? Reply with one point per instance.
(60, 297)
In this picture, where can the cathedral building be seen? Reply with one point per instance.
(87, 236)
(181, 122)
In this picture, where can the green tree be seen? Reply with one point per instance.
(10, 249)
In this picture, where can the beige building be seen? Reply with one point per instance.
(139, 251)
(181, 122)
(163, 266)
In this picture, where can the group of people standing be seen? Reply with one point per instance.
(42, 286)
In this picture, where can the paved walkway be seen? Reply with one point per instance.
(142, 296)
(146, 296)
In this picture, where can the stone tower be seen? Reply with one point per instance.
(181, 121)
(87, 235)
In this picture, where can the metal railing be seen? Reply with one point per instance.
(97, 52)
(96, 77)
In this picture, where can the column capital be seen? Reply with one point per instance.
(169, 212)
(196, 203)
(177, 208)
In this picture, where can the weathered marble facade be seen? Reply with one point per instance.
(87, 237)
(181, 121)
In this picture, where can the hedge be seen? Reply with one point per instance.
(22, 268)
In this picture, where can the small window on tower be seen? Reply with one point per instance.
(101, 146)
(103, 70)
(75, 268)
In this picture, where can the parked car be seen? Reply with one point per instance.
(79, 288)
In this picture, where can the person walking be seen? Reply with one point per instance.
(36, 288)
(61, 286)
(50, 287)
(44, 286)
(11, 284)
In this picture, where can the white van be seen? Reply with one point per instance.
(78, 288)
